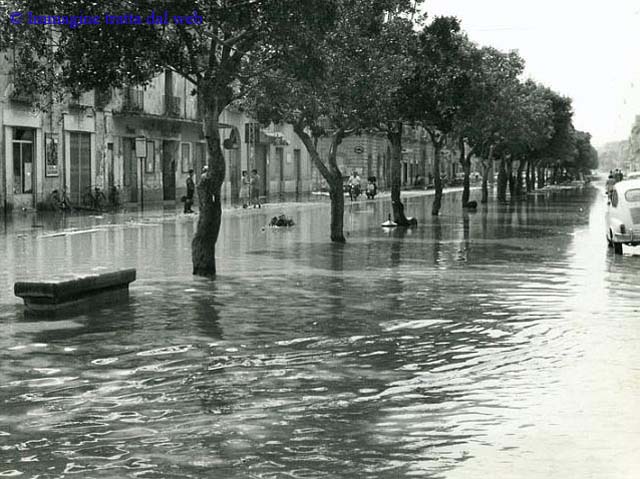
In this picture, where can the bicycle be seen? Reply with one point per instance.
(114, 197)
(94, 198)
(57, 202)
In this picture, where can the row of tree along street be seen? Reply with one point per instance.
(330, 68)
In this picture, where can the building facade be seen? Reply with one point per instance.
(370, 155)
(142, 141)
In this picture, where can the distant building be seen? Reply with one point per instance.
(370, 155)
(632, 155)
(615, 154)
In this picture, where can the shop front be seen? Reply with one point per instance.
(23, 152)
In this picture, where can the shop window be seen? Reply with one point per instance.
(23, 171)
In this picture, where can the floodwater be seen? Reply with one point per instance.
(503, 343)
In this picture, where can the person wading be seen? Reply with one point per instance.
(245, 185)
(255, 189)
(191, 189)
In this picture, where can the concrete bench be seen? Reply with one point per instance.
(42, 297)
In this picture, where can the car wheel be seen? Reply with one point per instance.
(617, 248)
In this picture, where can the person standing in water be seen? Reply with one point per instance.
(245, 186)
(191, 189)
(255, 189)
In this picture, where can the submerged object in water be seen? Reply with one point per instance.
(389, 223)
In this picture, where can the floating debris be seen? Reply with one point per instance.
(389, 223)
(281, 220)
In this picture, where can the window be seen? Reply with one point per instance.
(150, 161)
(632, 196)
(185, 157)
(23, 173)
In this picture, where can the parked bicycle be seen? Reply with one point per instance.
(93, 198)
(57, 201)
(114, 197)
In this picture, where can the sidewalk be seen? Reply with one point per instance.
(34, 222)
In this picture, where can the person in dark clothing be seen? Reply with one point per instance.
(191, 189)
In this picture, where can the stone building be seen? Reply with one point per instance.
(93, 140)
(370, 155)
(631, 154)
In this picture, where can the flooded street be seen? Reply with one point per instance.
(502, 343)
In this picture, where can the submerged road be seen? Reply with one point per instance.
(503, 343)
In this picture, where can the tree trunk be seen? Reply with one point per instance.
(336, 192)
(332, 175)
(395, 138)
(437, 181)
(528, 176)
(502, 181)
(511, 179)
(533, 176)
(465, 160)
(519, 190)
(541, 177)
(203, 246)
(486, 168)
(487, 164)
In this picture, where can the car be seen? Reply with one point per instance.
(634, 175)
(622, 217)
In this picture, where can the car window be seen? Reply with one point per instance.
(614, 198)
(632, 196)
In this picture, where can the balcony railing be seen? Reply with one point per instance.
(172, 105)
(133, 100)
(77, 101)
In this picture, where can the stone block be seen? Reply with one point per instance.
(59, 294)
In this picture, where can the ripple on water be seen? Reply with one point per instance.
(396, 355)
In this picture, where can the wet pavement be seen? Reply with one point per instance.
(502, 343)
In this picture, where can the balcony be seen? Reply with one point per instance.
(133, 100)
(79, 102)
(172, 106)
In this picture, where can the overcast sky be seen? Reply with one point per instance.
(589, 51)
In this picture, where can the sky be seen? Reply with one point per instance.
(589, 51)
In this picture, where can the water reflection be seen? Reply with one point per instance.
(446, 350)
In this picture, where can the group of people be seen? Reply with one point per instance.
(250, 189)
(355, 186)
(614, 176)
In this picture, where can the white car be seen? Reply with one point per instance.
(623, 215)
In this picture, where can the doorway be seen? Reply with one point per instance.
(169, 154)
(23, 153)
(79, 165)
(260, 164)
(130, 176)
